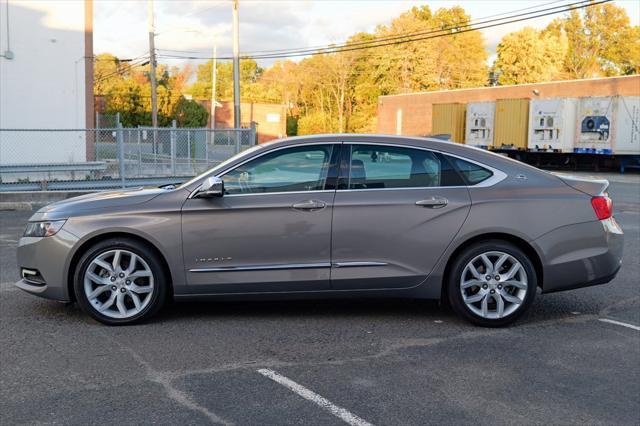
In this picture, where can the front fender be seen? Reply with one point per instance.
(161, 230)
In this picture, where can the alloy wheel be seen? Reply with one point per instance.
(493, 285)
(118, 284)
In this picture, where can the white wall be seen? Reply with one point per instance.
(43, 86)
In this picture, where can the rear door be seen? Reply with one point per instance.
(396, 210)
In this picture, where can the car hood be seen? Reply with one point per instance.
(96, 201)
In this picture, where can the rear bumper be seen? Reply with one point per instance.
(581, 255)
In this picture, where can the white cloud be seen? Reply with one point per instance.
(121, 26)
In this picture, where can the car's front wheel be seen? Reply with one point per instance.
(492, 283)
(120, 281)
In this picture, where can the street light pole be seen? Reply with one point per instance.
(152, 62)
(236, 67)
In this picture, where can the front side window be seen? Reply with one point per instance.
(302, 168)
(383, 167)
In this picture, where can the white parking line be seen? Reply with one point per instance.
(624, 324)
(308, 394)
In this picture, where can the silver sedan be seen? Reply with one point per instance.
(330, 216)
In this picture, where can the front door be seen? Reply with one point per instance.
(395, 212)
(271, 231)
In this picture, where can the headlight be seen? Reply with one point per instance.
(43, 229)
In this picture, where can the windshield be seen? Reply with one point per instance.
(222, 165)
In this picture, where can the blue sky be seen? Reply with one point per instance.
(193, 25)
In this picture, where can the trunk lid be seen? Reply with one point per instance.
(590, 186)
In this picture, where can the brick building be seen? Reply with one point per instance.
(271, 119)
(410, 114)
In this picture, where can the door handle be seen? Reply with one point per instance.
(433, 202)
(309, 205)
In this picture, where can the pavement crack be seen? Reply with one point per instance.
(621, 304)
(173, 392)
(393, 347)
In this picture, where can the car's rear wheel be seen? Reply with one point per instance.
(492, 283)
(120, 281)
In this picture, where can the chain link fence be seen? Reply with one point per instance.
(86, 159)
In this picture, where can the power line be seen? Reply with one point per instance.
(130, 66)
(180, 51)
(482, 20)
(324, 46)
(459, 29)
(418, 36)
(139, 62)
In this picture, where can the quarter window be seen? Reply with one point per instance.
(471, 172)
(380, 167)
(301, 168)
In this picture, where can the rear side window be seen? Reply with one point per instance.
(472, 173)
(384, 167)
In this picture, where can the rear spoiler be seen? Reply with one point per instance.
(593, 187)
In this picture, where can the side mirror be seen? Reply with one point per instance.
(212, 186)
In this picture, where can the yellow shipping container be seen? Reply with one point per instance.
(449, 119)
(511, 123)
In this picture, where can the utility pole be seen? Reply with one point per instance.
(236, 67)
(152, 62)
(214, 80)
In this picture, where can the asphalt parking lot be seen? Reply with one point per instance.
(327, 362)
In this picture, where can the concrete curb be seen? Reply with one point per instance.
(4, 206)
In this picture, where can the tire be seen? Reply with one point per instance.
(486, 297)
(124, 294)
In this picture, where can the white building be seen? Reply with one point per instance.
(46, 80)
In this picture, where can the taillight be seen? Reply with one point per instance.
(603, 206)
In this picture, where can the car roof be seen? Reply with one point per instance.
(432, 143)
(505, 164)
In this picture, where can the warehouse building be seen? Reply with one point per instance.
(411, 113)
(46, 80)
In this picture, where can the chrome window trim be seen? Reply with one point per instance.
(497, 177)
(264, 267)
(288, 266)
(314, 191)
(231, 168)
(417, 188)
(356, 264)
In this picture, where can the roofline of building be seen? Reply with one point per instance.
(512, 85)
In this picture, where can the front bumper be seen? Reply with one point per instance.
(50, 256)
(581, 255)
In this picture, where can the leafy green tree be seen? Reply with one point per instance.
(611, 37)
(600, 42)
(127, 90)
(292, 125)
(314, 123)
(201, 89)
(189, 113)
(529, 56)
(451, 60)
